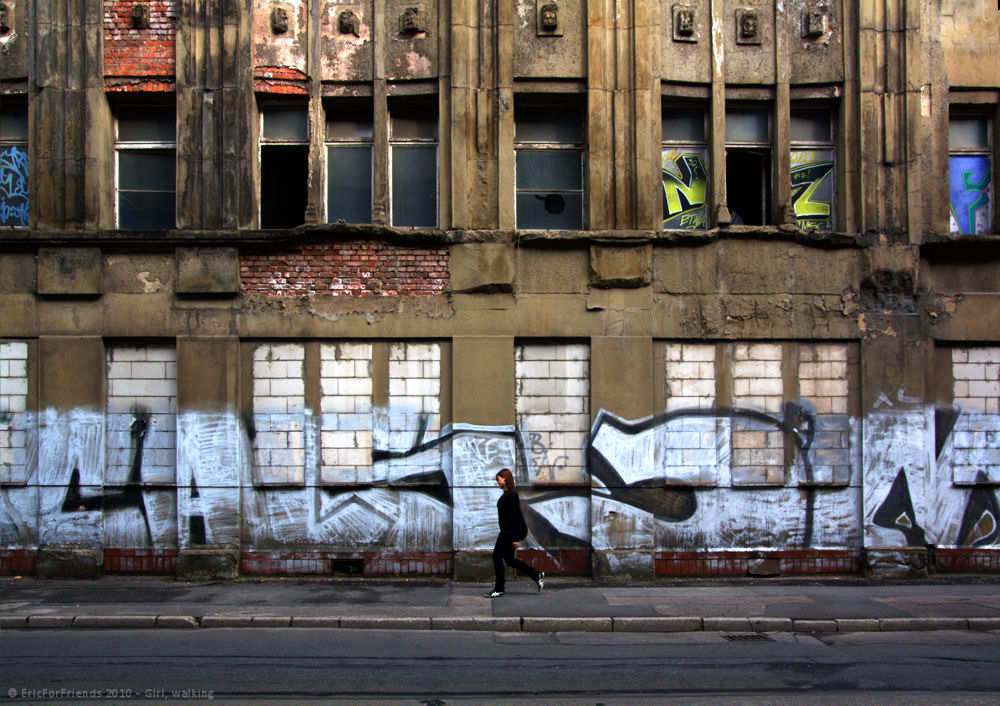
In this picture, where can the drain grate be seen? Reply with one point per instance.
(747, 637)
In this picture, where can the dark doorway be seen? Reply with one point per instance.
(284, 171)
(748, 186)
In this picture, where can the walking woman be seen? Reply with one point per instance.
(512, 530)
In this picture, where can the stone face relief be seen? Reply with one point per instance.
(410, 21)
(140, 16)
(6, 20)
(814, 23)
(684, 23)
(279, 20)
(747, 27)
(347, 23)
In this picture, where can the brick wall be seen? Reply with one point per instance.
(346, 404)
(553, 409)
(140, 59)
(141, 408)
(758, 448)
(354, 268)
(278, 413)
(976, 375)
(13, 406)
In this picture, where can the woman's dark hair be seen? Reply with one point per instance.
(508, 479)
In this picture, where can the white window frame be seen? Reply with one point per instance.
(142, 146)
(579, 147)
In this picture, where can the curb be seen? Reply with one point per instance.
(657, 624)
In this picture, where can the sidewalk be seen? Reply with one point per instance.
(744, 606)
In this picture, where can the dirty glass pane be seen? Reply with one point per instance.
(968, 132)
(349, 183)
(810, 126)
(146, 124)
(360, 129)
(971, 192)
(550, 211)
(812, 188)
(285, 122)
(146, 170)
(534, 124)
(414, 185)
(145, 210)
(410, 128)
(14, 186)
(549, 169)
(683, 125)
(14, 121)
(747, 125)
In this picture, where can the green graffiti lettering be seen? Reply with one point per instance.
(805, 181)
(688, 191)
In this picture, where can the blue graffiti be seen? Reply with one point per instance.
(969, 181)
(14, 186)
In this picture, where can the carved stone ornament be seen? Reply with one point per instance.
(6, 20)
(410, 22)
(549, 17)
(685, 25)
(279, 20)
(814, 23)
(140, 16)
(348, 23)
(747, 27)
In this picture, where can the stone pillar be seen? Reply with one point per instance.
(211, 457)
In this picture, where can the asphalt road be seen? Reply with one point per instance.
(358, 666)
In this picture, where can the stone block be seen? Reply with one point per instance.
(361, 622)
(176, 621)
(102, 622)
(897, 624)
(69, 563)
(227, 621)
(477, 623)
(726, 624)
(657, 624)
(771, 624)
(207, 564)
(271, 621)
(316, 622)
(482, 267)
(211, 271)
(857, 625)
(70, 272)
(531, 624)
(814, 625)
(627, 267)
(50, 621)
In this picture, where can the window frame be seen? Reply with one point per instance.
(330, 111)
(765, 146)
(829, 146)
(703, 149)
(142, 146)
(19, 142)
(264, 141)
(551, 146)
(403, 112)
(987, 114)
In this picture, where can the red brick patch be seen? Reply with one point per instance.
(18, 561)
(330, 563)
(967, 560)
(738, 563)
(350, 268)
(131, 53)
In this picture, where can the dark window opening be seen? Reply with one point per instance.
(284, 188)
(351, 567)
(748, 186)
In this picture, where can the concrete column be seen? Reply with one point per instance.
(211, 457)
(717, 133)
(621, 376)
(483, 380)
(71, 374)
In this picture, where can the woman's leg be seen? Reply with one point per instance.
(512, 561)
(498, 558)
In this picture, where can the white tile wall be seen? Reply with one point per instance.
(141, 380)
(553, 409)
(824, 382)
(758, 449)
(346, 405)
(279, 410)
(13, 411)
(690, 376)
(976, 375)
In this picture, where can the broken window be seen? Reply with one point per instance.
(413, 141)
(145, 148)
(812, 171)
(548, 166)
(284, 165)
(13, 163)
(970, 182)
(684, 161)
(349, 163)
(748, 165)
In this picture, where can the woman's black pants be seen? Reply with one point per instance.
(504, 552)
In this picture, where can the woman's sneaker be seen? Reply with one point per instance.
(494, 594)
(540, 581)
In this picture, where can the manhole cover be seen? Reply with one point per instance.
(747, 637)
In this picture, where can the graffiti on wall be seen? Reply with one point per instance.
(685, 189)
(969, 187)
(665, 482)
(14, 186)
(812, 188)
